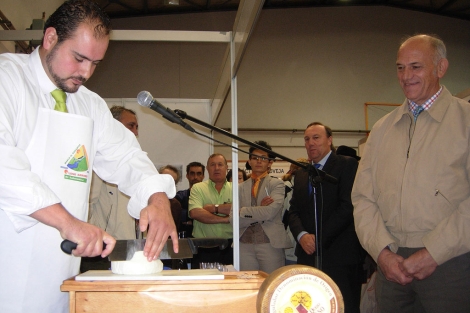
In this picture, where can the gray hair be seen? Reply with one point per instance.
(117, 110)
(171, 168)
(440, 51)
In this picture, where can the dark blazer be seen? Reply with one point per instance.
(338, 238)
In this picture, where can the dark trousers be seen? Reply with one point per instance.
(446, 290)
(349, 279)
(213, 255)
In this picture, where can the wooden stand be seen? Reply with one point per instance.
(236, 293)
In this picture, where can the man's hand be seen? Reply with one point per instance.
(89, 238)
(391, 265)
(267, 201)
(419, 265)
(156, 216)
(307, 242)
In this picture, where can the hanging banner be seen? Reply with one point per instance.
(278, 168)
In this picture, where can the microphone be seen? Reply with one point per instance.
(325, 176)
(144, 98)
(315, 172)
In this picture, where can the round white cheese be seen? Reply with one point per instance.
(138, 265)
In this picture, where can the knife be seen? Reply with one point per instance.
(124, 249)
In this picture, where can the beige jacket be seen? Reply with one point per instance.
(108, 210)
(412, 188)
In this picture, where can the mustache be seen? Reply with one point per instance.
(79, 78)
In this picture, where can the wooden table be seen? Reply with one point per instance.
(237, 292)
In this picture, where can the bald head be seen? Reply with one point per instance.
(421, 63)
(435, 45)
(127, 117)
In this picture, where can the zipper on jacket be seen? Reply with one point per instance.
(410, 135)
(438, 192)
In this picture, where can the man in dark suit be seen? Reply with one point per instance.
(194, 174)
(340, 251)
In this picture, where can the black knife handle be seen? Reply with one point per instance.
(67, 246)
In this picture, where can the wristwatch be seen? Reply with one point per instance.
(216, 209)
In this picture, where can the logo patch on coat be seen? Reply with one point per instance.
(77, 165)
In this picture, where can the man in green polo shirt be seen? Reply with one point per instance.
(209, 205)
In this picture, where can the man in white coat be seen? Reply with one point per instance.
(47, 157)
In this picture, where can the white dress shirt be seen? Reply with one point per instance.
(25, 86)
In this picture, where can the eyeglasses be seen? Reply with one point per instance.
(259, 158)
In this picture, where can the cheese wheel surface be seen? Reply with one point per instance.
(138, 265)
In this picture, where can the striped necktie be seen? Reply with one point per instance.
(60, 98)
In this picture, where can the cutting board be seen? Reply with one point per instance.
(163, 275)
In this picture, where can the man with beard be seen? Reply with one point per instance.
(47, 157)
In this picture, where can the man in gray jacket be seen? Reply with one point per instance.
(262, 233)
(108, 206)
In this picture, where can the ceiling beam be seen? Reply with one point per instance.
(446, 5)
(245, 21)
(132, 35)
(7, 25)
(170, 35)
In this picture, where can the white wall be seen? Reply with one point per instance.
(169, 143)
(288, 143)
(301, 65)
(323, 64)
(22, 12)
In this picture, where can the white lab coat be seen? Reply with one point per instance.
(32, 176)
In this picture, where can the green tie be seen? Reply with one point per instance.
(59, 97)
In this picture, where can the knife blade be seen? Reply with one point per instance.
(124, 250)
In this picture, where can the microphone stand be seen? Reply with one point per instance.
(319, 175)
(316, 176)
(318, 250)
